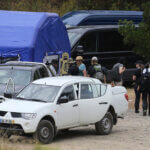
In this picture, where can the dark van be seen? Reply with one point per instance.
(102, 41)
(100, 17)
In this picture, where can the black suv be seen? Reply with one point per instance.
(102, 41)
(22, 73)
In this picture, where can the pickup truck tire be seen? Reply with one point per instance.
(104, 126)
(45, 132)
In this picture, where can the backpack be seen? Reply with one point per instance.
(99, 74)
(145, 81)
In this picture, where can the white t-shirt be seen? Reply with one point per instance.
(146, 69)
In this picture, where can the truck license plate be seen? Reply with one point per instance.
(7, 121)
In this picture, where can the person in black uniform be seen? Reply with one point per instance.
(145, 89)
(136, 78)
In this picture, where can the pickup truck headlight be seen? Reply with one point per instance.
(28, 116)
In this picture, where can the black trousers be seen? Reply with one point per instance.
(146, 100)
(137, 98)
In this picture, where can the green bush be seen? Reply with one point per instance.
(139, 37)
(63, 6)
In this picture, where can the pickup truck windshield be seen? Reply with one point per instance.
(20, 77)
(38, 92)
(73, 36)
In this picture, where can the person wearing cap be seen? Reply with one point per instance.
(73, 69)
(81, 66)
(136, 78)
(96, 70)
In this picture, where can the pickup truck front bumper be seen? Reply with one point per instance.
(18, 125)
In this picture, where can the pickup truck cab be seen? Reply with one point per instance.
(22, 73)
(49, 105)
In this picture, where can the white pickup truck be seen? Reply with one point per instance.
(51, 104)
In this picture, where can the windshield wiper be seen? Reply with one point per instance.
(37, 100)
(30, 99)
(20, 98)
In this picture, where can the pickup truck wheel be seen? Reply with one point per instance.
(45, 132)
(104, 126)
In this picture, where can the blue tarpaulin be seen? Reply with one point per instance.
(31, 35)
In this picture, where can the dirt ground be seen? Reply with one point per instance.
(130, 133)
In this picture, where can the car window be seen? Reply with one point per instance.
(39, 92)
(111, 41)
(69, 92)
(76, 88)
(94, 89)
(89, 42)
(19, 77)
(43, 72)
(86, 91)
(101, 88)
(73, 37)
(36, 75)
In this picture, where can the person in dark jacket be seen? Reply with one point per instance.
(96, 70)
(73, 68)
(136, 78)
(145, 88)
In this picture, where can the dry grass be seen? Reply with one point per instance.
(7, 146)
(132, 99)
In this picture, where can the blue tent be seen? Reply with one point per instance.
(31, 35)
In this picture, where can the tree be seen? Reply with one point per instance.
(138, 36)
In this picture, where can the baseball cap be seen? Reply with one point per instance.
(94, 58)
(79, 58)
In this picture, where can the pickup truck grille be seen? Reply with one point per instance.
(5, 126)
(3, 113)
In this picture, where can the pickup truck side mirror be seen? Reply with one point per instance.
(63, 99)
(79, 50)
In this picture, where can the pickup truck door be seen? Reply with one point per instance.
(92, 106)
(68, 113)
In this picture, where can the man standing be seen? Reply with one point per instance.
(136, 78)
(145, 88)
(81, 66)
(96, 70)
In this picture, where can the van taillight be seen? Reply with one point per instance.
(126, 96)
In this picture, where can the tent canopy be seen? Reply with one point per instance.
(31, 35)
